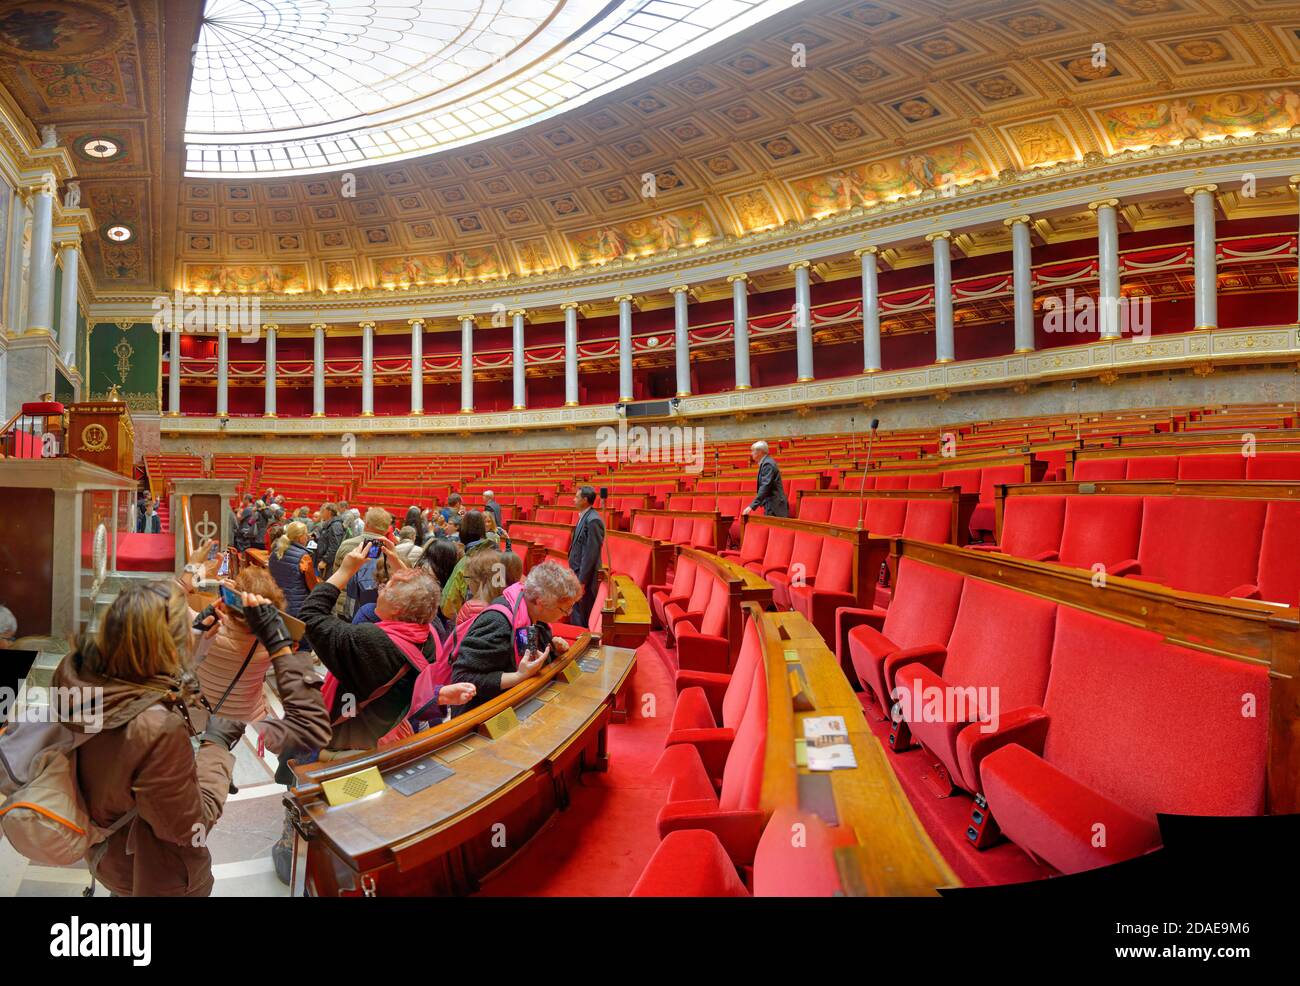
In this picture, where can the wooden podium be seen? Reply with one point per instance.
(100, 432)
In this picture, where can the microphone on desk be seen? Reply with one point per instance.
(611, 593)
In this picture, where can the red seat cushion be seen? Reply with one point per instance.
(1056, 818)
(689, 863)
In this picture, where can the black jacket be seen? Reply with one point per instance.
(771, 494)
(328, 538)
(363, 659)
(584, 549)
(486, 653)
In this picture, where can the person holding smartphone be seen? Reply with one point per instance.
(492, 656)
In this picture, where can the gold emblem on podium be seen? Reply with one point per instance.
(94, 438)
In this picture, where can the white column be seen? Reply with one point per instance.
(570, 309)
(40, 278)
(318, 370)
(367, 369)
(625, 389)
(870, 310)
(517, 359)
(417, 365)
(740, 326)
(269, 334)
(945, 346)
(1295, 187)
(174, 372)
(467, 364)
(223, 370)
(68, 304)
(13, 318)
(682, 338)
(1022, 283)
(1206, 288)
(803, 338)
(1107, 267)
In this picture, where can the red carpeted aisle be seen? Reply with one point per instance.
(601, 843)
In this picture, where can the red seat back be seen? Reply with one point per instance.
(714, 622)
(1032, 525)
(1201, 545)
(703, 534)
(742, 775)
(846, 511)
(1098, 469)
(885, 515)
(1212, 467)
(996, 476)
(1274, 465)
(924, 606)
(753, 543)
(780, 542)
(1100, 530)
(816, 508)
(1152, 467)
(786, 866)
(925, 481)
(1279, 561)
(929, 520)
(835, 566)
(1156, 727)
(967, 479)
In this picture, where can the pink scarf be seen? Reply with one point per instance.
(406, 637)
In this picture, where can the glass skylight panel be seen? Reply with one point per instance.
(301, 72)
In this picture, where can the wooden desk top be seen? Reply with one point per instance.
(391, 827)
(753, 587)
(631, 616)
(894, 855)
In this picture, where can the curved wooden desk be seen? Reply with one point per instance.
(892, 854)
(513, 759)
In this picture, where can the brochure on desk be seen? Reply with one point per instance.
(827, 742)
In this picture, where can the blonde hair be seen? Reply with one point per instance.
(145, 632)
(485, 575)
(292, 532)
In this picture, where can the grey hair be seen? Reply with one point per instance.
(488, 493)
(413, 595)
(759, 446)
(8, 624)
(551, 582)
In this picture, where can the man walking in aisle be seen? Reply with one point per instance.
(771, 494)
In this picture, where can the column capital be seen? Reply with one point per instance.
(1194, 189)
(620, 298)
(319, 326)
(1102, 204)
(466, 317)
(1014, 220)
(416, 321)
(366, 325)
(1294, 181)
(866, 251)
(270, 327)
(798, 264)
(67, 243)
(733, 278)
(568, 306)
(223, 330)
(943, 234)
(679, 288)
(517, 312)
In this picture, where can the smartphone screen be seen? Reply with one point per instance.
(224, 568)
(231, 598)
(376, 549)
(212, 551)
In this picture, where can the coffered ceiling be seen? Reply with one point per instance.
(829, 106)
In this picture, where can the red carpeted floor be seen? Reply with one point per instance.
(601, 843)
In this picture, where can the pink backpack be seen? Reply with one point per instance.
(424, 707)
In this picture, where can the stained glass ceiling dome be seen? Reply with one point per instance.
(283, 87)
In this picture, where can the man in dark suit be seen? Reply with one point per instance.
(584, 553)
(771, 494)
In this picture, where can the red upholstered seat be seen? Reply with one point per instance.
(676, 610)
(983, 518)
(1278, 580)
(846, 511)
(710, 705)
(1097, 469)
(1201, 545)
(890, 482)
(693, 863)
(929, 520)
(780, 542)
(1101, 530)
(925, 481)
(1121, 745)
(1032, 526)
(885, 516)
(680, 589)
(642, 524)
(816, 508)
(662, 529)
(994, 666)
(1212, 467)
(819, 598)
(921, 616)
(753, 544)
(967, 479)
(1274, 465)
(703, 534)
(1152, 467)
(733, 814)
(631, 558)
(800, 570)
